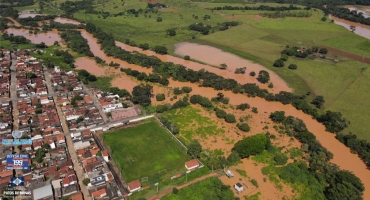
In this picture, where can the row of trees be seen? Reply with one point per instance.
(33, 21)
(86, 77)
(282, 14)
(142, 76)
(361, 147)
(347, 14)
(320, 170)
(261, 7)
(200, 27)
(16, 39)
(76, 42)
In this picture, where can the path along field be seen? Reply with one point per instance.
(146, 150)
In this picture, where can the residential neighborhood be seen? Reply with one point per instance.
(54, 110)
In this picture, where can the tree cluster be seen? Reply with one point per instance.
(76, 42)
(85, 76)
(203, 101)
(141, 94)
(200, 27)
(261, 7)
(282, 14)
(263, 76)
(16, 39)
(33, 21)
(142, 76)
(361, 147)
(243, 106)
(252, 145)
(221, 98)
(9, 12)
(169, 125)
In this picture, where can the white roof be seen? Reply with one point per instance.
(56, 183)
(42, 192)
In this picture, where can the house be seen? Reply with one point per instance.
(192, 164)
(61, 139)
(105, 155)
(99, 194)
(36, 145)
(238, 187)
(134, 186)
(70, 180)
(43, 193)
(98, 180)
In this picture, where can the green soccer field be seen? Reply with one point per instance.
(146, 150)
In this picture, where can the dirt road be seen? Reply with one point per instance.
(159, 196)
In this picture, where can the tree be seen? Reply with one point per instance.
(220, 113)
(159, 19)
(278, 116)
(281, 159)
(233, 157)
(223, 66)
(284, 57)
(141, 94)
(161, 108)
(353, 28)
(160, 97)
(194, 149)
(323, 19)
(86, 181)
(243, 106)
(292, 66)
(323, 51)
(244, 127)
(186, 89)
(171, 32)
(160, 50)
(279, 63)
(252, 145)
(240, 70)
(92, 78)
(318, 101)
(230, 118)
(175, 190)
(263, 76)
(186, 57)
(252, 73)
(271, 85)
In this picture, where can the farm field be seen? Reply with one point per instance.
(146, 150)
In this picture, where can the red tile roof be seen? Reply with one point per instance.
(192, 163)
(134, 184)
(99, 193)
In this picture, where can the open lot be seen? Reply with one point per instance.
(146, 150)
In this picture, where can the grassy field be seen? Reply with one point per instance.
(145, 150)
(192, 123)
(209, 188)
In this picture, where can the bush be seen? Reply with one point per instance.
(175, 190)
(230, 118)
(160, 97)
(244, 127)
(186, 89)
(254, 182)
(279, 63)
(252, 145)
(264, 76)
(220, 113)
(86, 181)
(281, 159)
(292, 66)
(271, 85)
(186, 57)
(177, 91)
(243, 106)
(252, 73)
(284, 57)
(254, 110)
(161, 108)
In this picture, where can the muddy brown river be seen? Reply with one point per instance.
(342, 155)
(48, 38)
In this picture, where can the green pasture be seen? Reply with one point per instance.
(146, 150)
(192, 123)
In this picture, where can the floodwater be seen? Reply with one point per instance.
(48, 38)
(66, 21)
(361, 29)
(218, 57)
(365, 12)
(342, 155)
(26, 15)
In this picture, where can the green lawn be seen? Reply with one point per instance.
(192, 123)
(210, 188)
(145, 150)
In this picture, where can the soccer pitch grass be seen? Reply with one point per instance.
(146, 150)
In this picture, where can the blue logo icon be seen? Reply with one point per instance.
(17, 181)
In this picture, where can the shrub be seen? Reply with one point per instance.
(264, 76)
(254, 110)
(252, 73)
(186, 57)
(175, 190)
(86, 181)
(254, 182)
(177, 91)
(161, 108)
(220, 113)
(252, 145)
(243, 106)
(292, 66)
(186, 89)
(271, 85)
(279, 63)
(284, 57)
(230, 118)
(244, 127)
(281, 159)
(160, 97)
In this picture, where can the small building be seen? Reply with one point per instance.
(99, 194)
(45, 192)
(105, 155)
(134, 186)
(238, 187)
(192, 164)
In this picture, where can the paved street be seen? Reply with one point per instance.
(72, 152)
(13, 92)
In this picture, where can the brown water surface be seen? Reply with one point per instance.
(14, 21)
(232, 61)
(48, 38)
(361, 29)
(342, 155)
(66, 21)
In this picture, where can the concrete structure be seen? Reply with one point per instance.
(42, 193)
(124, 113)
(239, 187)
